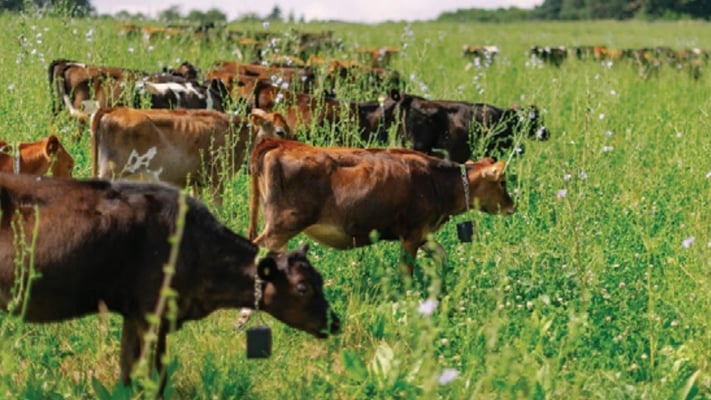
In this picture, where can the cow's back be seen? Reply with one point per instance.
(165, 145)
(350, 191)
(114, 235)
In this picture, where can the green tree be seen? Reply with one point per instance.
(71, 7)
(212, 15)
(550, 9)
(574, 9)
(170, 14)
(275, 14)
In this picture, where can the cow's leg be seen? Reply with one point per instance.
(439, 254)
(282, 225)
(409, 255)
(131, 346)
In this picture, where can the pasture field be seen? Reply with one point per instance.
(598, 287)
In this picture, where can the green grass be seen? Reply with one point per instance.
(591, 295)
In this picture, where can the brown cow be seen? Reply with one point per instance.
(38, 158)
(231, 71)
(103, 245)
(338, 196)
(378, 57)
(83, 88)
(176, 146)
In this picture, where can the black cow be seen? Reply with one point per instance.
(457, 127)
(102, 244)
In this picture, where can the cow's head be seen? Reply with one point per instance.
(60, 162)
(488, 187)
(293, 293)
(185, 70)
(270, 124)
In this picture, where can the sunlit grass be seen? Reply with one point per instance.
(598, 287)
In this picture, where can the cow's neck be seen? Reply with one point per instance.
(451, 195)
(243, 295)
(200, 302)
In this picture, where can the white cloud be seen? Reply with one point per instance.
(369, 11)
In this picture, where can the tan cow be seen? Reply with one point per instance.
(38, 158)
(338, 196)
(176, 146)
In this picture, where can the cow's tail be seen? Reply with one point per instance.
(94, 129)
(255, 164)
(56, 88)
(256, 169)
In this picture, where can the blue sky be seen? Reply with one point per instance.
(368, 11)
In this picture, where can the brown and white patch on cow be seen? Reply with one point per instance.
(138, 166)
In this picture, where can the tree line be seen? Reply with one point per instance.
(588, 10)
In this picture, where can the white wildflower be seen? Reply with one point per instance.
(608, 133)
(567, 177)
(607, 149)
(427, 307)
(447, 376)
(562, 193)
(613, 92)
(686, 243)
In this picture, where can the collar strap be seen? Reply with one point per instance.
(16, 162)
(465, 182)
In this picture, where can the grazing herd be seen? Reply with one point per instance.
(648, 60)
(101, 243)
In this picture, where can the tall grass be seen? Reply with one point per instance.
(598, 287)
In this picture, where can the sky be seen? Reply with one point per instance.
(364, 11)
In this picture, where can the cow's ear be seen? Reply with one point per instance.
(267, 268)
(257, 116)
(52, 146)
(494, 172)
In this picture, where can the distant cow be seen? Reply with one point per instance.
(102, 245)
(83, 88)
(455, 127)
(176, 146)
(232, 71)
(338, 196)
(38, 158)
(378, 57)
(484, 55)
(550, 55)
